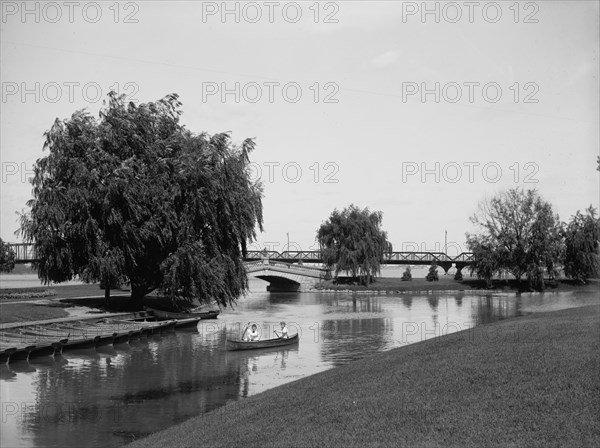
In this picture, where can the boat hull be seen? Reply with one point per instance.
(168, 315)
(233, 345)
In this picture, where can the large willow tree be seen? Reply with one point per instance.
(352, 241)
(135, 197)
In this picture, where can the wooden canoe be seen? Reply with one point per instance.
(168, 315)
(267, 343)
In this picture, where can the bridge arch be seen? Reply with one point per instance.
(279, 283)
(285, 276)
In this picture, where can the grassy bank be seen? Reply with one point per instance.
(447, 283)
(23, 312)
(528, 381)
(19, 308)
(14, 306)
(26, 293)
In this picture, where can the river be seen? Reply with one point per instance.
(108, 396)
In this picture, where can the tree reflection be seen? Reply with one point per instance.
(488, 308)
(125, 394)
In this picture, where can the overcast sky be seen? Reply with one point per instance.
(371, 103)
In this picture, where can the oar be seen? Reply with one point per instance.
(244, 333)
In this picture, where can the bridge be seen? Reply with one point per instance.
(25, 253)
(286, 276)
(286, 271)
(407, 258)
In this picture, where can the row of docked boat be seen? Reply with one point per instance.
(23, 342)
(51, 339)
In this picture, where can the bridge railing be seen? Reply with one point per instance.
(316, 256)
(23, 252)
(259, 254)
(417, 256)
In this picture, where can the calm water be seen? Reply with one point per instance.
(110, 396)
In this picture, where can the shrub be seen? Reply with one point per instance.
(432, 276)
(407, 275)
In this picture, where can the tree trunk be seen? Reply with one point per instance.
(107, 293)
(138, 292)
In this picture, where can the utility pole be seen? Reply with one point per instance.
(288, 239)
(446, 242)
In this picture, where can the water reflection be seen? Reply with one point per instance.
(345, 340)
(112, 395)
(458, 299)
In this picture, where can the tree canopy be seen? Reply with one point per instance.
(135, 196)
(352, 241)
(519, 233)
(7, 257)
(582, 235)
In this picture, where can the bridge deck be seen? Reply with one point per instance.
(25, 253)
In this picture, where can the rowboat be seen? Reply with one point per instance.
(267, 343)
(168, 315)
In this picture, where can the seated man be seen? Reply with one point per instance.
(284, 331)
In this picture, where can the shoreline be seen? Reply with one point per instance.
(394, 285)
(534, 376)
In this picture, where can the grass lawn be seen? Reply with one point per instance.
(21, 312)
(26, 293)
(522, 382)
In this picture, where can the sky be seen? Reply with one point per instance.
(417, 109)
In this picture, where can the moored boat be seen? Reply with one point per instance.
(168, 315)
(38, 340)
(233, 344)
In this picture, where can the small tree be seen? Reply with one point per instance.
(432, 275)
(581, 259)
(486, 258)
(7, 257)
(407, 276)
